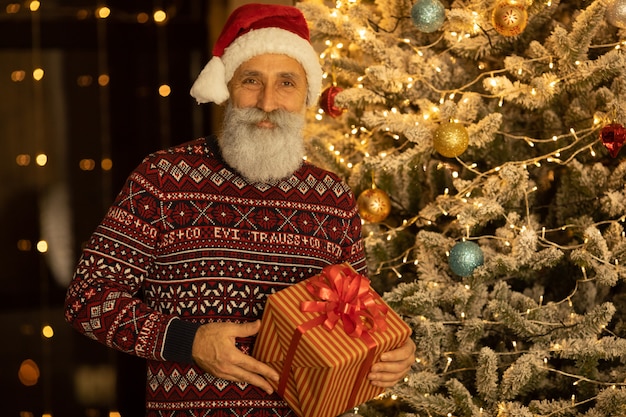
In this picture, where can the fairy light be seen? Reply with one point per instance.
(47, 331)
(41, 159)
(103, 12)
(165, 90)
(159, 16)
(143, 17)
(38, 74)
(103, 80)
(42, 246)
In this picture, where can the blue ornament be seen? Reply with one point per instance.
(465, 257)
(428, 15)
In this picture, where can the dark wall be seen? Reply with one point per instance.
(72, 118)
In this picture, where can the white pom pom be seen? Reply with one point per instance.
(211, 86)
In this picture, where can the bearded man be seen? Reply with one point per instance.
(206, 230)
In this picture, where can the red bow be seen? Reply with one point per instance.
(345, 295)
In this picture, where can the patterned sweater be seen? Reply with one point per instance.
(188, 241)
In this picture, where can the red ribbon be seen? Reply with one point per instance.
(343, 294)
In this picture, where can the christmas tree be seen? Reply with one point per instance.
(482, 139)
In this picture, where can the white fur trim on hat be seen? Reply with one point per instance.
(212, 83)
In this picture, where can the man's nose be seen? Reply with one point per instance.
(267, 100)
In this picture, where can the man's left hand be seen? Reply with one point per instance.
(393, 365)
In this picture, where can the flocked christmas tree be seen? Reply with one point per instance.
(483, 138)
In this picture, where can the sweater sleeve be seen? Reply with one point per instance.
(103, 299)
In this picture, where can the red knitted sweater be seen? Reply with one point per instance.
(188, 241)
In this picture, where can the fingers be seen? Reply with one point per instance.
(393, 365)
(248, 329)
(244, 368)
(214, 351)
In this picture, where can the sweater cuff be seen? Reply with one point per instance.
(179, 341)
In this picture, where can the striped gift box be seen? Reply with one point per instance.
(323, 335)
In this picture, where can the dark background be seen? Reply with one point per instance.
(78, 123)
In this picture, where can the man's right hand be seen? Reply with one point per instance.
(214, 351)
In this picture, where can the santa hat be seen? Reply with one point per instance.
(255, 29)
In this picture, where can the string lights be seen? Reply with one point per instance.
(462, 206)
(571, 139)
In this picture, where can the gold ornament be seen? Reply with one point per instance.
(509, 17)
(616, 13)
(374, 205)
(450, 139)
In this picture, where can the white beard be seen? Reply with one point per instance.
(262, 154)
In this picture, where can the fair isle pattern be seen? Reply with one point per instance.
(199, 243)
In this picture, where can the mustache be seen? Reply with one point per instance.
(253, 115)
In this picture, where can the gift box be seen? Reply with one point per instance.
(323, 335)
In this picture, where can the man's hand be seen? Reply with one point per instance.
(214, 351)
(393, 365)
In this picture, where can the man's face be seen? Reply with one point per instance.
(270, 82)
(262, 131)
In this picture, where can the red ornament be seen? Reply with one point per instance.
(613, 137)
(327, 101)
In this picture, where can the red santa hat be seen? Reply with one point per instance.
(255, 29)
